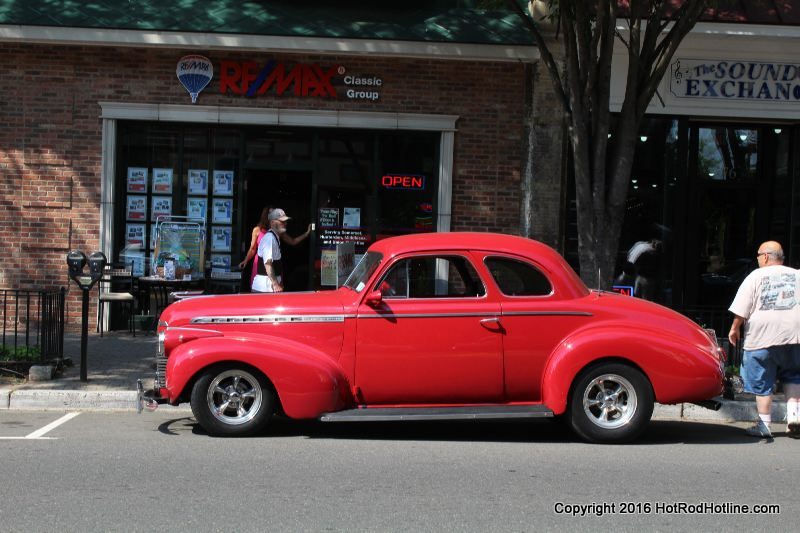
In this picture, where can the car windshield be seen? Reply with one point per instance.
(357, 279)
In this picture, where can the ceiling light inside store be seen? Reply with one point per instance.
(777, 131)
(643, 138)
(743, 137)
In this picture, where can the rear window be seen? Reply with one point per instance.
(515, 278)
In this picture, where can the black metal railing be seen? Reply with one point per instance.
(720, 321)
(33, 324)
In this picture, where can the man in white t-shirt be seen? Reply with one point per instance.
(767, 304)
(269, 276)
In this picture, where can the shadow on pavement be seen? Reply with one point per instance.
(538, 431)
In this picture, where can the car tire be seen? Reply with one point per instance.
(610, 403)
(232, 401)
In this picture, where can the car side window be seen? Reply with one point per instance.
(432, 276)
(515, 278)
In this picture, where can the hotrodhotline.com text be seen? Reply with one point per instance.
(676, 508)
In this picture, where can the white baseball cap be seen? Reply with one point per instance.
(277, 214)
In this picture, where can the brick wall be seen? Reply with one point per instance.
(50, 137)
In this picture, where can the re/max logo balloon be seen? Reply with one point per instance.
(302, 79)
(194, 73)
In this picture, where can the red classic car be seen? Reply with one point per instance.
(436, 326)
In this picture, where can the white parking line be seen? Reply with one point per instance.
(39, 433)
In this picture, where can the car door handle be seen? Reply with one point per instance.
(492, 323)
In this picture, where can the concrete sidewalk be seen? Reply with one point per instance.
(117, 360)
(114, 363)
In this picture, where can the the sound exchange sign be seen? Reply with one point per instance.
(735, 80)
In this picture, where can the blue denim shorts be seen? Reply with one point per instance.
(761, 368)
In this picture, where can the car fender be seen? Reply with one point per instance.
(307, 381)
(679, 371)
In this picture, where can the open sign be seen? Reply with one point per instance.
(403, 181)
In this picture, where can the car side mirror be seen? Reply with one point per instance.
(374, 299)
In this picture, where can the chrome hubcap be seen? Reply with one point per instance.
(234, 397)
(609, 401)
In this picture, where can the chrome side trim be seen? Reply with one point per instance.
(548, 313)
(484, 315)
(270, 319)
(431, 315)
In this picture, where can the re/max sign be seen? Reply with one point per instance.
(251, 79)
(403, 181)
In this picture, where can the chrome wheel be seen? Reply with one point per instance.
(234, 397)
(609, 401)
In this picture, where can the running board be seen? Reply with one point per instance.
(380, 414)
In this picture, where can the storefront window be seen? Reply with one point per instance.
(353, 186)
(727, 153)
(645, 257)
(407, 186)
(702, 196)
(176, 173)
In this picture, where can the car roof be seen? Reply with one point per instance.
(501, 243)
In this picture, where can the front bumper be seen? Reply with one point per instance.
(147, 399)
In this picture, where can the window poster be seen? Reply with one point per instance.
(222, 211)
(221, 261)
(137, 179)
(162, 206)
(328, 266)
(221, 238)
(223, 183)
(136, 208)
(162, 181)
(328, 217)
(196, 208)
(135, 257)
(352, 217)
(198, 181)
(134, 235)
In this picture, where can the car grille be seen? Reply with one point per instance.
(161, 372)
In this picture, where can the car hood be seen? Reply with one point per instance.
(238, 307)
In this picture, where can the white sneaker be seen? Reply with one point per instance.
(760, 430)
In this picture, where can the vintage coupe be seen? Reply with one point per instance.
(430, 327)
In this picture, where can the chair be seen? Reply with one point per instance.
(116, 285)
(159, 294)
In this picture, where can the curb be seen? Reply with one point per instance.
(80, 400)
(731, 410)
(44, 400)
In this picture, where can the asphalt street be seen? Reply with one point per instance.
(101, 471)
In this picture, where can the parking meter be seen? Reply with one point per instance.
(97, 263)
(76, 261)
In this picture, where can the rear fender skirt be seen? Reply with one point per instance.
(307, 382)
(678, 371)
